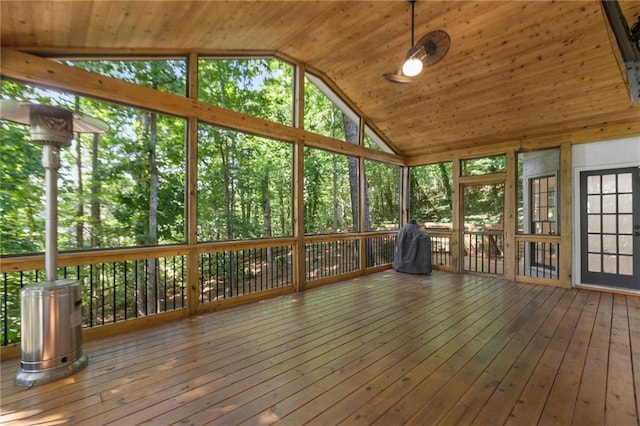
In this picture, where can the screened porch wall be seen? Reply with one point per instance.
(209, 275)
(198, 275)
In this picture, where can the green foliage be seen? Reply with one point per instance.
(244, 185)
(383, 185)
(260, 87)
(430, 188)
(327, 206)
(320, 114)
(164, 75)
(484, 207)
(104, 184)
(484, 165)
(21, 192)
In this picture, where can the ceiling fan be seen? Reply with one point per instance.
(427, 51)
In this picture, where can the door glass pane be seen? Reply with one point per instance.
(625, 182)
(625, 244)
(594, 263)
(608, 184)
(593, 184)
(593, 204)
(625, 224)
(610, 264)
(594, 244)
(609, 224)
(594, 224)
(626, 265)
(609, 204)
(625, 203)
(609, 244)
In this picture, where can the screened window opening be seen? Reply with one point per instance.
(328, 115)
(430, 189)
(382, 199)
(244, 186)
(330, 192)
(166, 75)
(260, 87)
(121, 188)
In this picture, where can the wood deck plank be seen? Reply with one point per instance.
(533, 398)
(590, 404)
(222, 365)
(497, 358)
(498, 407)
(452, 390)
(399, 398)
(560, 403)
(390, 384)
(620, 400)
(387, 349)
(367, 357)
(633, 304)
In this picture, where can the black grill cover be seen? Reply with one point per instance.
(412, 250)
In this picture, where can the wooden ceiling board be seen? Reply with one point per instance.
(516, 70)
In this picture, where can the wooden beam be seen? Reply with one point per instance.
(40, 71)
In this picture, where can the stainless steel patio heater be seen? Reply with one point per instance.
(51, 310)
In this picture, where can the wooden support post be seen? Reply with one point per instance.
(566, 223)
(298, 183)
(456, 218)
(510, 216)
(191, 194)
(404, 195)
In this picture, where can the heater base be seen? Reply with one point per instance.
(31, 378)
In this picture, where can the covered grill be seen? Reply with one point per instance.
(412, 250)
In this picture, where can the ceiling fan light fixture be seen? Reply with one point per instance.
(427, 51)
(412, 67)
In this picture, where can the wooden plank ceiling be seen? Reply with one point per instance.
(541, 72)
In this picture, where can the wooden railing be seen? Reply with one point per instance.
(441, 254)
(379, 249)
(123, 284)
(330, 256)
(538, 258)
(225, 274)
(117, 284)
(483, 252)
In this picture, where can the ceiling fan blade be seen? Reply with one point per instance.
(397, 77)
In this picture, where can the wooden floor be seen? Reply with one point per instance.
(385, 349)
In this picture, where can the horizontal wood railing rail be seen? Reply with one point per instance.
(91, 257)
(538, 238)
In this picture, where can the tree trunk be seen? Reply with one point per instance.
(266, 211)
(154, 303)
(95, 194)
(80, 205)
(351, 135)
(80, 190)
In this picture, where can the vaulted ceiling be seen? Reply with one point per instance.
(539, 71)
